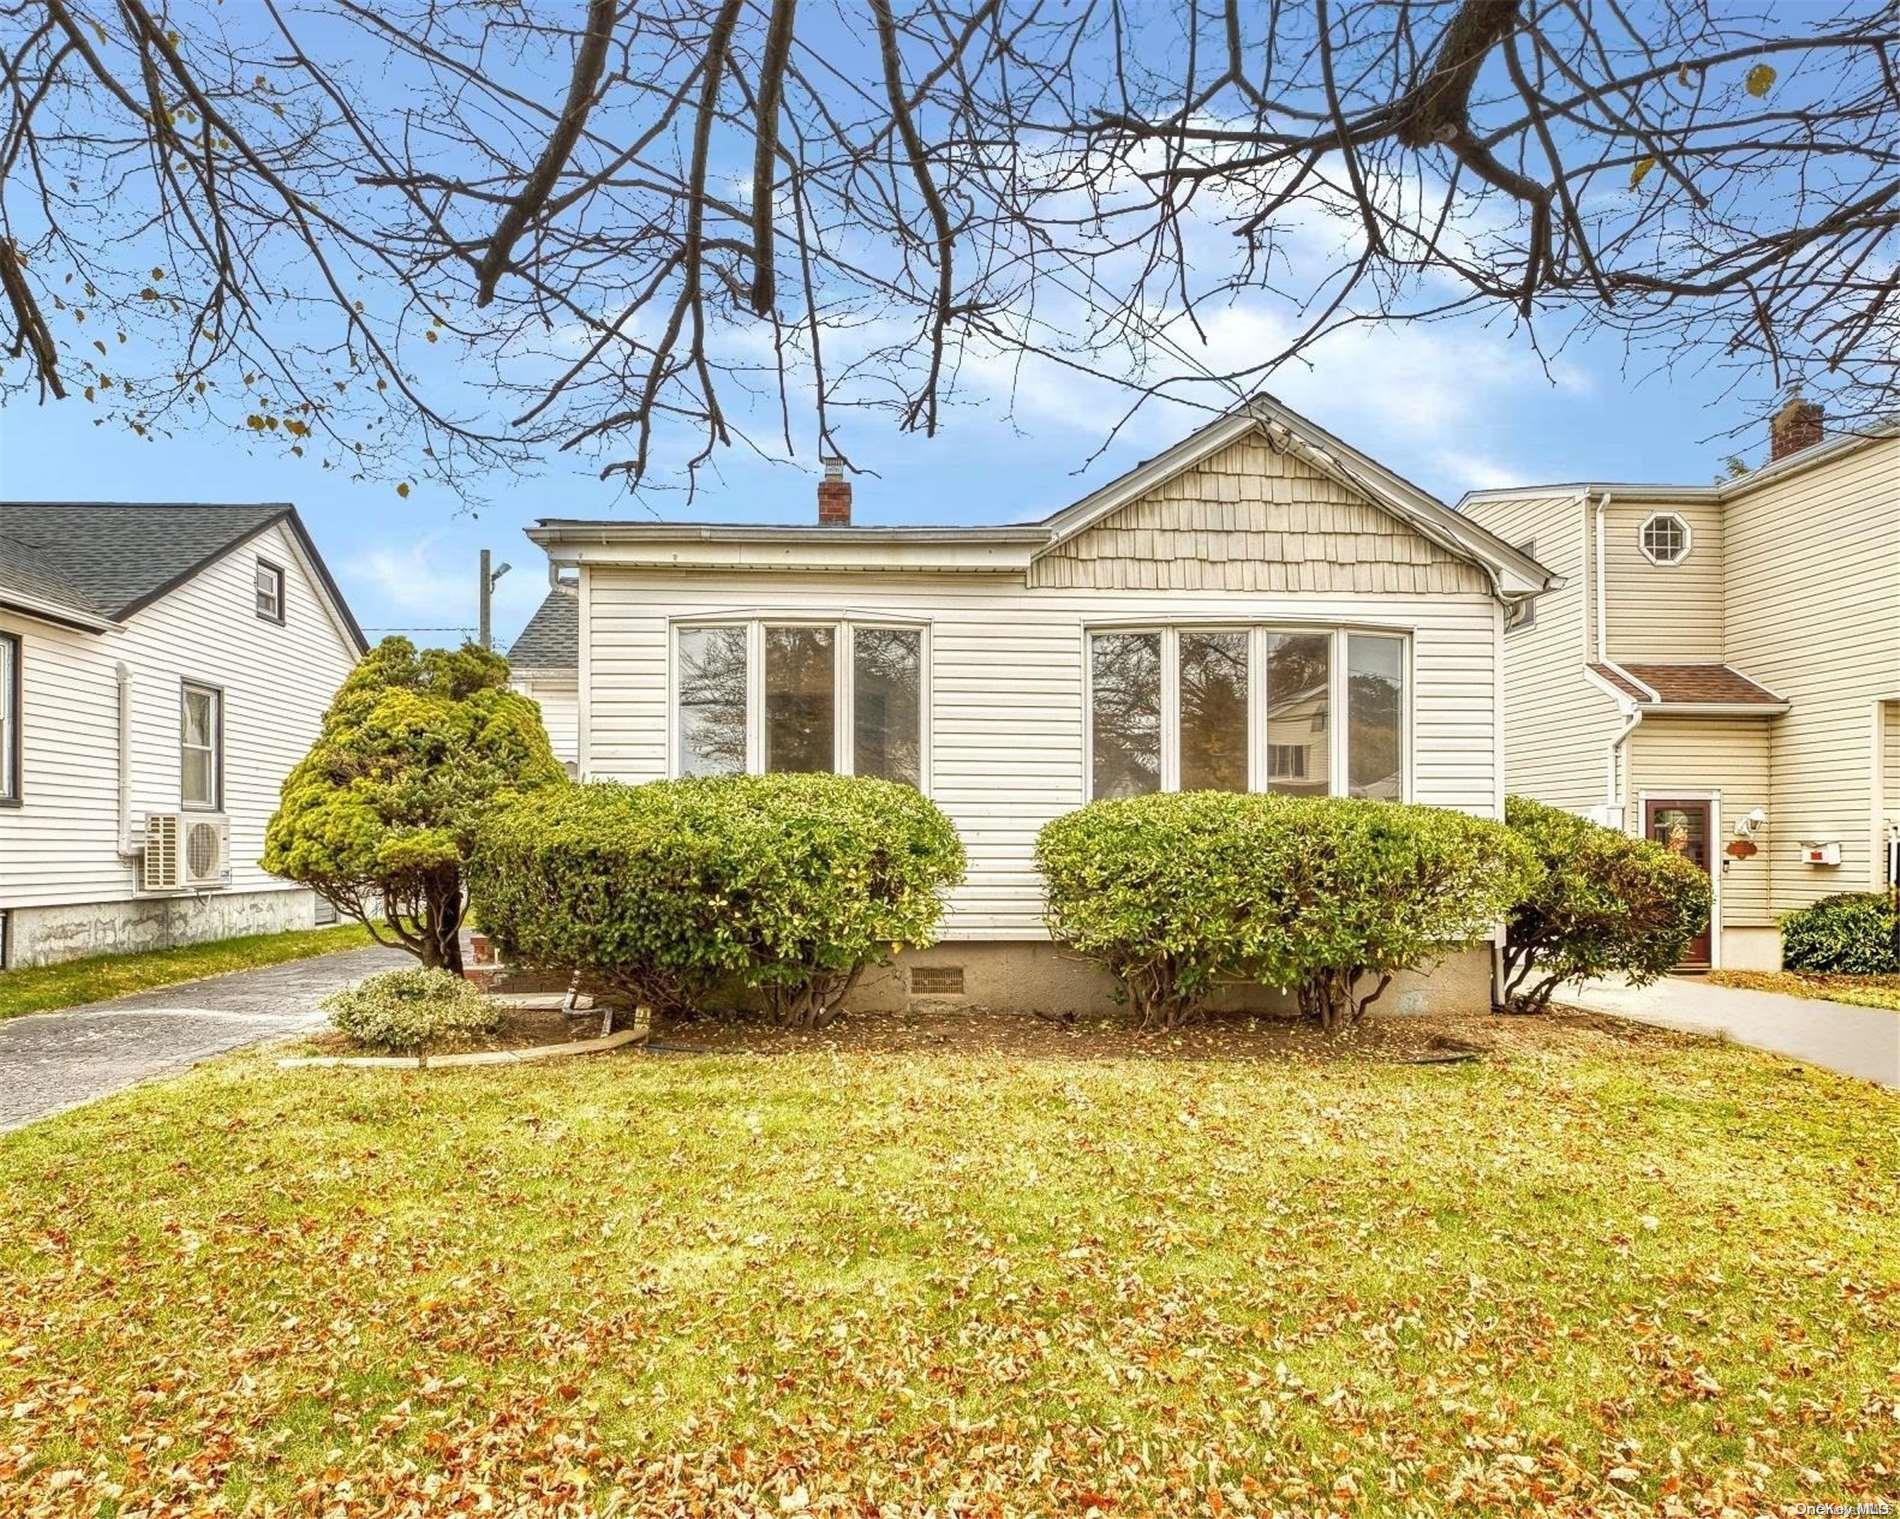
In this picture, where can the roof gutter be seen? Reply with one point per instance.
(52, 611)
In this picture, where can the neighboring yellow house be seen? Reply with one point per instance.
(1720, 670)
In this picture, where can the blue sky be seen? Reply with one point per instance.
(1451, 406)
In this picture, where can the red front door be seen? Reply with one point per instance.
(1684, 827)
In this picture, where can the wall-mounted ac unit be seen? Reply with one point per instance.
(186, 851)
(1821, 851)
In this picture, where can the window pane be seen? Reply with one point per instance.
(196, 787)
(198, 719)
(800, 699)
(269, 590)
(887, 703)
(1375, 734)
(1125, 680)
(1213, 711)
(712, 695)
(1299, 719)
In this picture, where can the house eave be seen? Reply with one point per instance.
(49, 611)
(1712, 708)
(768, 548)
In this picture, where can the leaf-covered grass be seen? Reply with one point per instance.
(1590, 1274)
(44, 988)
(1857, 991)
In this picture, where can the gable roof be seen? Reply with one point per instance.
(97, 563)
(1014, 547)
(552, 638)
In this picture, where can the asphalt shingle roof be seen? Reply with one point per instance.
(552, 638)
(109, 560)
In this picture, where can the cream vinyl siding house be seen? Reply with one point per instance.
(1195, 622)
(165, 661)
(544, 663)
(1743, 644)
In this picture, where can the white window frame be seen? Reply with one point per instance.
(216, 693)
(1688, 539)
(1258, 633)
(843, 675)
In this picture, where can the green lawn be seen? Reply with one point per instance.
(1589, 1275)
(43, 988)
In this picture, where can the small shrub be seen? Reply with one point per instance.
(1319, 895)
(403, 1011)
(1605, 904)
(1853, 934)
(788, 885)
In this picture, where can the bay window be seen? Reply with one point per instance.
(1305, 711)
(762, 695)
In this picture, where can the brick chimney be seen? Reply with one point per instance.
(1796, 426)
(834, 496)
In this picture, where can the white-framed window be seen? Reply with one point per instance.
(201, 747)
(12, 709)
(270, 591)
(1189, 707)
(776, 694)
(1665, 538)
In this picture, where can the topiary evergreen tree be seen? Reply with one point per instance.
(380, 815)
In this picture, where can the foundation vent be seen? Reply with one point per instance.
(936, 980)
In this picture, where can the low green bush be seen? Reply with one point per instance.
(1851, 934)
(1605, 904)
(785, 885)
(1326, 896)
(403, 1011)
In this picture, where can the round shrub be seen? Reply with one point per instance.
(787, 885)
(1320, 895)
(408, 1010)
(1851, 934)
(1607, 904)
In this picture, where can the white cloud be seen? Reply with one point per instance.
(429, 583)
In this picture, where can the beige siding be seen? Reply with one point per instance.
(1557, 724)
(1689, 757)
(1814, 614)
(1250, 518)
(1005, 700)
(1669, 613)
(61, 846)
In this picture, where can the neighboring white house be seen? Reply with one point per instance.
(545, 663)
(1261, 605)
(161, 670)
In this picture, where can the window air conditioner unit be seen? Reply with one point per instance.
(1821, 852)
(186, 851)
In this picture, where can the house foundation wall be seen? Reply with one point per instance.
(1036, 976)
(48, 935)
(1751, 949)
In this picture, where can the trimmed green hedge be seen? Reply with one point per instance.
(1606, 905)
(787, 885)
(1851, 934)
(408, 1010)
(1319, 895)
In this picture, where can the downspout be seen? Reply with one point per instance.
(1612, 793)
(124, 676)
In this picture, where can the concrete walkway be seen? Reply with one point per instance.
(1856, 1041)
(53, 1061)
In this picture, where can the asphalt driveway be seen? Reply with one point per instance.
(1856, 1041)
(53, 1061)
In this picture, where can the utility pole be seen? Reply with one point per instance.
(489, 577)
